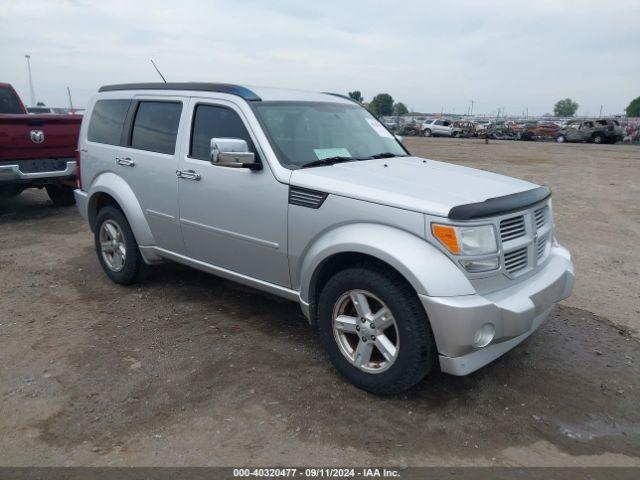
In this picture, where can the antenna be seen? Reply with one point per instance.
(157, 70)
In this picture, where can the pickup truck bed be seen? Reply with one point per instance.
(37, 151)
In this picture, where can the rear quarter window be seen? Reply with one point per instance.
(155, 127)
(107, 120)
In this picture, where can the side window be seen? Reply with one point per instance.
(107, 119)
(211, 121)
(155, 127)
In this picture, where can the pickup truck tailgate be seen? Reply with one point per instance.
(38, 136)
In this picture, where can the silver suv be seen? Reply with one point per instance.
(402, 263)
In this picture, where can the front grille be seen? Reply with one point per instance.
(512, 228)
(516, 260)
(542, 246)
(540, 217)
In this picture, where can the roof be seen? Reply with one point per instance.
(249, 93)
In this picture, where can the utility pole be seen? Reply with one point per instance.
(70, 102)
(600, 114)
(31, 92)
(471, 107)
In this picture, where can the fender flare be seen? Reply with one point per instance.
(116, 187)
(427, 269)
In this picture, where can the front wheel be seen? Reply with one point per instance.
(116, 246)
(598, 138)
(561, 139)
(427, 133)
(374, 329)
(61, 195)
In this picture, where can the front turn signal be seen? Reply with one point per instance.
(447, 236)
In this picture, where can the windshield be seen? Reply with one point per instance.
(304, 132)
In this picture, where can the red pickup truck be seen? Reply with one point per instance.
(36, 150)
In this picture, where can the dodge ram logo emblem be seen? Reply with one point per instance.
(37, 136)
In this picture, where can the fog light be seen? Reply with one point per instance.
(484, 265)
(484, 335)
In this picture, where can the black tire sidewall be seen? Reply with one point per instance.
(61, 195)
(417, 348)
(133, 260)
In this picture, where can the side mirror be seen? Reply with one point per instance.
(399, 138)
(234, 153)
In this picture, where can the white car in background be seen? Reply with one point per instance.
(440, 128)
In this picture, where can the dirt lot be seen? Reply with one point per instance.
(187, 369)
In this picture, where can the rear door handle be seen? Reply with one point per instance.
(125, 161)
(188, 174)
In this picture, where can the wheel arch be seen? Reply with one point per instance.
(110, 189)
(427, 270)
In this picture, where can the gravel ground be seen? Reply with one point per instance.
(188, 369)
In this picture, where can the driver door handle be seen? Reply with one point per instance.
(188, 174)
(125, 161)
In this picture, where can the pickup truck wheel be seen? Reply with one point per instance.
(116, 246)
(375, 330)
(427, 133)
(61, 195)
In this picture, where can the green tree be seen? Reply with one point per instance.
(381, 105)
(400, 109)
(357, 96)
(40, 104)
(633, 110)
(565, 108)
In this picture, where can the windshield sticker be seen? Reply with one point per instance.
(323, 153)
(378, 128)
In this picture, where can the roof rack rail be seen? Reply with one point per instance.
(229, 88)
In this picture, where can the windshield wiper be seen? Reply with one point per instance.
(386, 155)
(328, 161)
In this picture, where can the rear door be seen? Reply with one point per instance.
(148, 162)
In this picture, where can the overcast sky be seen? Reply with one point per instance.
(430, 55)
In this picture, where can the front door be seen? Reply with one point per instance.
(233, 218)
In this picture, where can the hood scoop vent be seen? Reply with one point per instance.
(304, 197)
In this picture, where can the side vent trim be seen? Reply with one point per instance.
(304, 197)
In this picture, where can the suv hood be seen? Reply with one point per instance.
(410, 183)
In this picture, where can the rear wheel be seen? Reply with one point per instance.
(10, 191)
(427, 133)
(375, 330)
(61, 195)
(598, 138)
(116, 246)
(561, 139)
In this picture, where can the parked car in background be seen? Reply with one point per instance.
(602, 130)
(440, 128)
(54, 110)
(539, 131)
(36, 151)
(403, 264)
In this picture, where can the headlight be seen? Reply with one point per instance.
(479, 240)
(469, 242)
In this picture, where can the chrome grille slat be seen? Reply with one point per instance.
(512, 228)
(516, 260)
(540, 216)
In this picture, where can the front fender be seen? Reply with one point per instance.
(427, 269)
(121, 192)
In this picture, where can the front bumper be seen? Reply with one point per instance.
(12, 173)
(515, 312)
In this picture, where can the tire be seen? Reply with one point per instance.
(597, 138)
(61, 195)
(132, 263)
(416, 350)
(427, 133)
(561, 139)
(456, 134)
(10, 191)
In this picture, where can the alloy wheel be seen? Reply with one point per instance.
(112, 245)
(365, 331)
